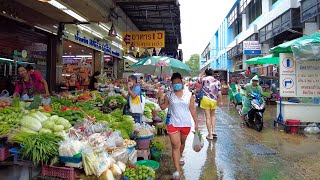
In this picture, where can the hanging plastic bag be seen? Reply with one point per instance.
(198, 142)
(4, 94)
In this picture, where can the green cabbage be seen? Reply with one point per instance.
(54, 117)
(58, 128)
(27, 130)
(63, 121)
(31, 123)
(44, 130)
(48, 124)
(36, 116)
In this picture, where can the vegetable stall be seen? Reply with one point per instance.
(78, 135)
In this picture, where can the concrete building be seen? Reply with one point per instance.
(268, 22)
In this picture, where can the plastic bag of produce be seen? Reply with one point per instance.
(312, 129)
(70, 147)
(198, 143)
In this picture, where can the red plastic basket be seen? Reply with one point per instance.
(59, 172)
(4, 153)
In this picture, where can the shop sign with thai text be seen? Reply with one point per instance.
(251, 47)
(299, 78)
(89, 41)
(144, 39)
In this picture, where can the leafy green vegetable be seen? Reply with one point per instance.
(48, 124)
(27, 130)
(61, 101)
(31, 123)
(10, 119)
(85, 105)
(40, 148)
(157, 145)
(44, 130)
(162, 115)
(58, 128)
(151, 106)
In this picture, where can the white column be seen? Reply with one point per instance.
(266, 6)
(244, 58)
(244, 22)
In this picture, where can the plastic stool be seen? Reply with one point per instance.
(145, 154)
(160, 128)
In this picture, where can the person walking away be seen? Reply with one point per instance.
(248, 71)
(179, 120)
(134, 94)
(30, 84)
(252, 87)
(94, 81)
(211, 95)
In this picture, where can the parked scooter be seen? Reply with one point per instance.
(254, 118)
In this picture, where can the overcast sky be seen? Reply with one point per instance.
(199, 20)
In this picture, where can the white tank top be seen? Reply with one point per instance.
(179, 108)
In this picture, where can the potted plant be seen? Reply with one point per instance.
(157, 148)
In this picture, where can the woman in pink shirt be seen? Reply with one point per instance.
(30, 84)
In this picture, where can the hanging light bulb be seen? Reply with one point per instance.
(112, 31)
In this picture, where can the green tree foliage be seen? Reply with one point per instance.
(194, 64)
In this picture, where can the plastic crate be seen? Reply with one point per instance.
(4, 153)
(59, 172)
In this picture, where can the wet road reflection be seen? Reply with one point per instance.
(228, 157)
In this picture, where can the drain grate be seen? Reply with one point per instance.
(260, 150)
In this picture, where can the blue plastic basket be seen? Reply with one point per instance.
(70, 159)
(143, 137)
(130, 148)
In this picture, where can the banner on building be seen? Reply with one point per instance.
(251, 47)
(157, 51)
(150, 51)
(144, 39)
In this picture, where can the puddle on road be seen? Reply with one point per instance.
(259, 149)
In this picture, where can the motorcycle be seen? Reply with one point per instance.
(254, 118)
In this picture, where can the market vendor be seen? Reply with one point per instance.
(134, 92)
(94, 81)
(73, 84)
(30, 84)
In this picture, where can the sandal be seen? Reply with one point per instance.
(242, 125)
(214, 135)
(209, 138)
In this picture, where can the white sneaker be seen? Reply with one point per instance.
(181, 162)
(176, 175)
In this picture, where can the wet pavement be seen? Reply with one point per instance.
(238, 153)
(243, 153)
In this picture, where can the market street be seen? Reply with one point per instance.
(236, 152)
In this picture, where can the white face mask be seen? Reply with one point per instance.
(130, 83)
